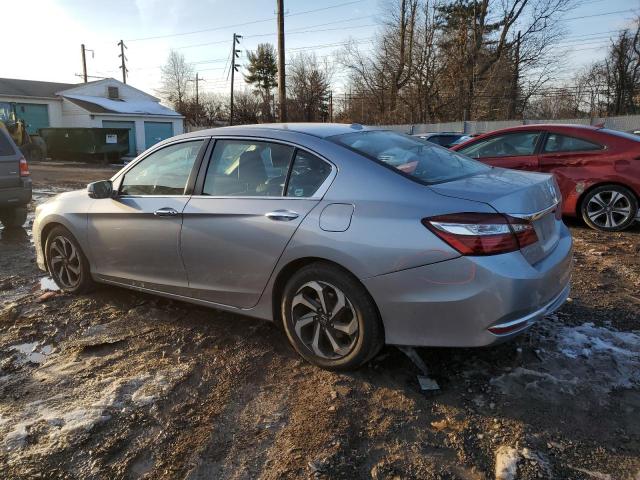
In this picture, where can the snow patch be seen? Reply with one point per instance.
(47, 284)
(583, 359)
(507, 459)
(138, 107)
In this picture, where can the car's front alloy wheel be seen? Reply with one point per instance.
(609, 208)
(329, 317)
(66, 262)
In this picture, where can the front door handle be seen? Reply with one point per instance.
(282, 215)
(166, 212)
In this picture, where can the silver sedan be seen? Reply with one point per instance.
(348, 237)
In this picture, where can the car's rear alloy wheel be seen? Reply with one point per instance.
(66, 262)
(324, 320)
(609, 208)
(329, 317)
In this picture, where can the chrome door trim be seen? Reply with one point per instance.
(282, 215)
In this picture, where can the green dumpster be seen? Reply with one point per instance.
(86, 144)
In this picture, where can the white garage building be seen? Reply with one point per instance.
(103, 103)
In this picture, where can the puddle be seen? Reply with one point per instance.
(47, 283)
(31, 353)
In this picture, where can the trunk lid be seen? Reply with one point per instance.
(533, 196)
(9, 162)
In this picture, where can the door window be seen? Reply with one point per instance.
(307, 174)
(507, 145)
(562, 143)
(247, 168)
(164, 172)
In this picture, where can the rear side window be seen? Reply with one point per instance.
(247, 168)
(6, 145)
(307, 174)
(563, 143)
(508, 145)
(417, 159)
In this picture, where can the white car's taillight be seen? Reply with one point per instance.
(482, 233)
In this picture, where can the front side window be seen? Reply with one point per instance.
(247, 168)
(420, 160)
(307, 174)
(508, 145)
(562, 143)
(164, 172)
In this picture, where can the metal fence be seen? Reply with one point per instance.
(625, 123)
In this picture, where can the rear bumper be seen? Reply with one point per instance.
(16, 196)
(455, 302)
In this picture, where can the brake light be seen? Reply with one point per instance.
(24, 168)
(482, 233)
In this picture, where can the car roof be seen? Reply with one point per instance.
(321, 130)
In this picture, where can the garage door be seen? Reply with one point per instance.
(131, 126)
(155, 132)
(34, 115)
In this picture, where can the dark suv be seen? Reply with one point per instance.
(15, 183)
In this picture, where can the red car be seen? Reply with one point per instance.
(597, 169)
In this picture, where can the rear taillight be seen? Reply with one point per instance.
(24, 168)
(482, 233)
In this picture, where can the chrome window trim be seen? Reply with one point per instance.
(318, 194)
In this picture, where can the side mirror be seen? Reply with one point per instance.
(101, 189)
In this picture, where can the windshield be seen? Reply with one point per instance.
(618, 133)
(420, 160)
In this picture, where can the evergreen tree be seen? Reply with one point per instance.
(261, 73)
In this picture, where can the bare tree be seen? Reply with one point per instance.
(176, 75)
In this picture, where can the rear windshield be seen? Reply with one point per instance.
(6, 148)
(422, 161)
(618, 133)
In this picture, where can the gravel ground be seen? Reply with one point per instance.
(118, 384)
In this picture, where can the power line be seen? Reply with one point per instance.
(290, 32)
(597, 15)
(222, 27)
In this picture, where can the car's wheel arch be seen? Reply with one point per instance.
(599, 184)
(287, 270)
(52, 223)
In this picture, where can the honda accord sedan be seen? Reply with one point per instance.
(349, 238)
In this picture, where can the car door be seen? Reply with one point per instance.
(134, 236)
(561, 151)
(516, 150)
(251, 198)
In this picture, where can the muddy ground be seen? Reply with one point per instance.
(118, 384)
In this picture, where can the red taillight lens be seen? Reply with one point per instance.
(482, 233)
(24, 168)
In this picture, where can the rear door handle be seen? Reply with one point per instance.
(282, 215)
(166, 212)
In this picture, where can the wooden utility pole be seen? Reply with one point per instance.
(514, 81)
(331, 106)
(235, 53)
(123, 65)
(282, 90)
(84, 64)
(197, 98)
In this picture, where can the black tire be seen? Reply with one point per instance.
(13, 217)
(359, 310)
(64, 273)
(601, 213)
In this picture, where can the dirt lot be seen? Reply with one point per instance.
(118, 384)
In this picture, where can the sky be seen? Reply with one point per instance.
(202, 30)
